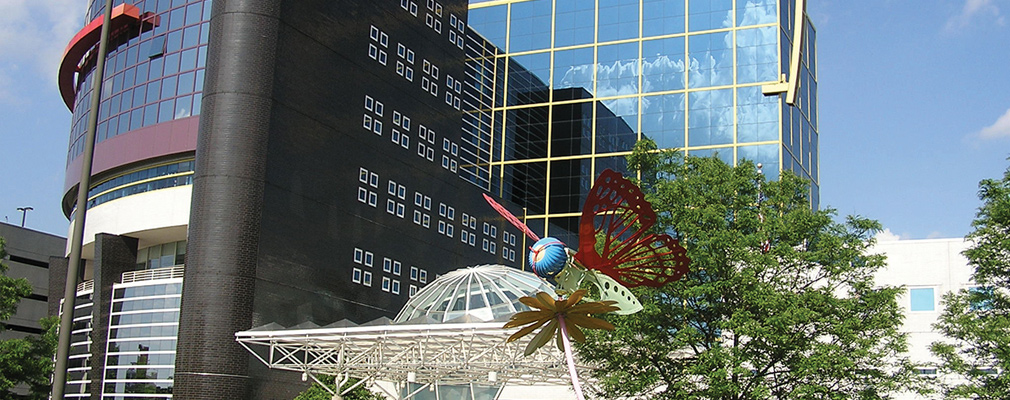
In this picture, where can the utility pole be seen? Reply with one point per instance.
(24, 212)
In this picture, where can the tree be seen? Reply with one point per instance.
(317, 392)
(978, 319)
(780, 302)
(27, 360)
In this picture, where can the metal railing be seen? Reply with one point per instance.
(154, 274)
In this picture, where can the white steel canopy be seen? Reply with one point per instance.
(420, 348)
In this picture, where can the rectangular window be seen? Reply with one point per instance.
(404, 4)
(399, 68)
(426, 222)
(390, 206)
(420, 149)
(413, 273)
(438, 9)
(441, 227)
(373, 180)
(445, 162)
(921, 299)
(494, 231)
(472, 239)
(427, 203)
(395, 136)
(387, 264)
(396, 118)
(448, 230)
(424, 83)
(356, 275)
(383, 39)
(417, 217)
(369, 103)
(430, 154)
(401, 192)
(367, 122)
(451, 213)
(373, 51)
(362, 195)
(413, 291)
(484, 245)
(377, 127)
(406, 122)
(463, 235)
(455, 103)
(373, 33)
(409, 74)
(369, 258)
(405, 141)
(494, 248)
(378, 108)
(396, 287)
(366, 279)
(418, 199)
(455, 149)
(441, 209)
(487, 228)
(359, 255)
(362, 175)
(434, 71)
(413, 8)
(399, 210)
(980, 298)
(438, 26)
(426, 67)
(452, 37)
(397, 266)
(410, 56)
(391, 187)
(373, 199)
(382, 57)
(401, 50)
(385, 283)
(429, 20)
(423, 276)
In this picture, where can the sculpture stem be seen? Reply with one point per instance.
(571, 359)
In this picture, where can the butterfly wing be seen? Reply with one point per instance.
(616, 211)
(510, 218)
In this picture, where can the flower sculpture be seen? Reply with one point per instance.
(563, 318)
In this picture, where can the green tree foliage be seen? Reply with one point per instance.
(317, 392)
(27, 360)
(780, 302)
(978, 320)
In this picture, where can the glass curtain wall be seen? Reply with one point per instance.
(577, 82)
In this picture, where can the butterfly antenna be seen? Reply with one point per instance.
(510, 218)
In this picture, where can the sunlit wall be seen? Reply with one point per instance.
(589, 77)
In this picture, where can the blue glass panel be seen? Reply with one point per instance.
(528, 77)
(662, 17)
(755, 12)
(757, 55)
(663, 64)
(617, 72)
(618, 20)
(529, 25)
(921, 299)
(490, 23)
(725, 154)
(711, 57)
(710, 120)
(710, 14)
(574, 21)
(574, 68)
(767, 155)
(757, 115)
(616, 123)
(663, 119)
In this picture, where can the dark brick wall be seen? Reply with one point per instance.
(113, 255)
(227, 202)
(57, 282)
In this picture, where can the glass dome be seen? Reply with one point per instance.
(483, 293)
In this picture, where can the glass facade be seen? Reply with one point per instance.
(79, 360)
(562, 89)
(153, 77)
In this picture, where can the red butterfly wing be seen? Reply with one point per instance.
(630, 254)
(511, 218)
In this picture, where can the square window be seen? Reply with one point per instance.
(396, 287)
(372, 199)
(385, 283)
(387, 264)
(921, 299)
(356, 275)
(367, 122)
(369, 258)
(359, 255)
(417, 217)
(410, 56)
(362, 195)
(377, 127)
(362, 175)
(373, 51)
(383, 39)
(373, 180)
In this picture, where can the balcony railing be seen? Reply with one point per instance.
(154, 274)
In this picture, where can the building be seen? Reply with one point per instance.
(28, 256)
(928, 269)
(300, 162)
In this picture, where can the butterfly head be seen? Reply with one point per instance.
(548, 257)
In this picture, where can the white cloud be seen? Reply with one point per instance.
(33, 35)
(999, 129)
(972, 10)
(887, 236)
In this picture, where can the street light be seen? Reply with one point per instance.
(24, 212)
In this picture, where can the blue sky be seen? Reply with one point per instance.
(914, 109)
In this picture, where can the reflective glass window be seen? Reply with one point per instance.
(618, 20)
(710, 14)
(527, 25)
(921, 299)
(767, 155)
(574, 69)
(711, 59)
(711, 117)
(574, 22)
(663, 119)
(757, 115)
(663, 66)
(617, 71)
(757, 55)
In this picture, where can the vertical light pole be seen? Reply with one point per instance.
(77, 239)
(24, 212)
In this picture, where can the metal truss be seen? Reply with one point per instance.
(453, 354)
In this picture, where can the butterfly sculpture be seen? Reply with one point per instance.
(627, 256)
